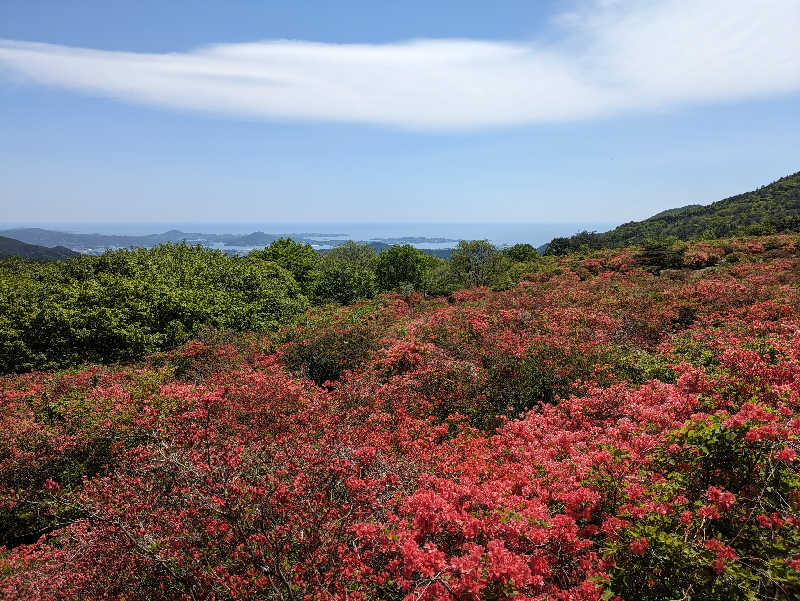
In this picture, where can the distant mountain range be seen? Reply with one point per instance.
(14, 248)
(87, 242)
(771, 208)
(231, 243)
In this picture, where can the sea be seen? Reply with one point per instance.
(424, 235)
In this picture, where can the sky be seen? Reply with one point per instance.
(574, 111)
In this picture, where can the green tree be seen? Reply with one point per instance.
(360, 255)
(301, 260)
(345, 283)
(581, 242)
(661, 253)
(521, 253)
(438, 277)
(402, 267)
(476, 263)
(347, 274)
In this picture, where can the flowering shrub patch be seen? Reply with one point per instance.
(602, 430)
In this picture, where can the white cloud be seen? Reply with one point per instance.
(611, 56)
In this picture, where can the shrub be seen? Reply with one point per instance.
(727, 529)
(352, 253)
(661, 254)
(325, 353)
(344, 283)
(301, 260)
(665, 467)
(476, 263)
(402, 266)
(521, 253)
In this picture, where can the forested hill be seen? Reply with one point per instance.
(772, 208)
(14, 248)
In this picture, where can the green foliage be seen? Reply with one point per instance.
(762, 228)
(401, 267)
(476, 263)
(695, 352)
(362, 256)
(438, 280)
(581, 242)
(515, 385)
(548, 372)
(770, 209)
(639, 366)
(347, 274)
(661, 253)
(128, 303)
(520, 253)
(545, 373)
(344, 283)
(301, 260)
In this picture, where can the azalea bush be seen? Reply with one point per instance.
(599, 430)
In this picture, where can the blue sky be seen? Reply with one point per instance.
(378, 111)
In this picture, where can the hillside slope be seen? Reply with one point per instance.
(777, 204)
(9, 247)
(769, 209)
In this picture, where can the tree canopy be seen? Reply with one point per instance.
(476, 263)
(402, 266)
(127, 303)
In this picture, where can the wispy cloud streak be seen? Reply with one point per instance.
(609, 57)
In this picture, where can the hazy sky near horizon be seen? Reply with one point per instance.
(582, 110)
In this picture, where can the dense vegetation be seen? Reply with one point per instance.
(622, 424)
(126, 304)
(770, 209)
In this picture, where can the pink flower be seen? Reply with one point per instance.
(638, 547)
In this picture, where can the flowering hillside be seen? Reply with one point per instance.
(605, 429)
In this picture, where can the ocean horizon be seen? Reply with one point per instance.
(499, 233)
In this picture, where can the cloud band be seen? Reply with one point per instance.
(610, 57)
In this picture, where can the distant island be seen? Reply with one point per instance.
(96, 244)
